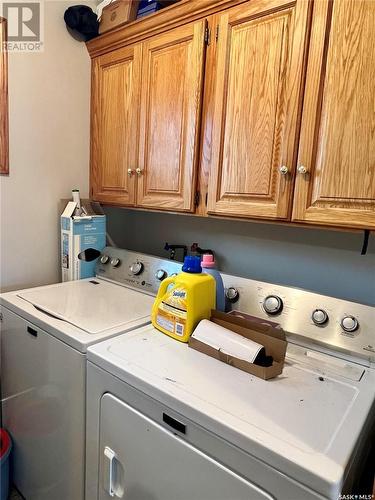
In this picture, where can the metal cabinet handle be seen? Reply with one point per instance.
(283, 170)
(302, 169)
(139, 171)
(130, 172)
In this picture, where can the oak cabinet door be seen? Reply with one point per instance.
(172, 74)
(337, 144)
(115, 125)
(257, 96)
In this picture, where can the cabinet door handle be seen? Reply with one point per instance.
(139, 171)
(130, 172)
(283, 170)
(302, 170)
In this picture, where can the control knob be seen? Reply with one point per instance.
(273, 304)
(115, 262)
(349, 324)
(160, 274)
(104, 259)
(319, 317)
(136, 268)
(232, 294)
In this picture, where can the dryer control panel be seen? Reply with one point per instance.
(307, 317)
(347, 327)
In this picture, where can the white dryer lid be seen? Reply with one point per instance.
(93, 305)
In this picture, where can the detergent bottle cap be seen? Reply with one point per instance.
(208, 261)
(192, 264)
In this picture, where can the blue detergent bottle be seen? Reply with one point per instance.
(209, 267)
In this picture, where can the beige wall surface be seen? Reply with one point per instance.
(49, 151)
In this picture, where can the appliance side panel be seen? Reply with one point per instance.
(43, 387)
(95, 389)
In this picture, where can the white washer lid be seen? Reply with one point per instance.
(92, 305)
(300, 424)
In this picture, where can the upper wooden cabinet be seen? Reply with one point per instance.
(256, 100)
(269, 114)
(146, 102)
(337, 145)
(172, 74)
(116, 89)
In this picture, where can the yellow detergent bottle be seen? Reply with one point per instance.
(177, 310)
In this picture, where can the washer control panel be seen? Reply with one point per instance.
(136, 270)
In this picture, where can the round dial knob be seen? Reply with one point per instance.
(160, 274)
(273, 304)
(115, 262)
(319, 317)
(349, 324)
(232, 294)
(104, 259)
(136, 268)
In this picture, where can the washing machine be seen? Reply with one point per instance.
(45, 333)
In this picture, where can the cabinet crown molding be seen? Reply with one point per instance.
(177, 14)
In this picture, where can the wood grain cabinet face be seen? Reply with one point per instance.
(337, 145)
(257, 98)
(115, 125)
(172, 74)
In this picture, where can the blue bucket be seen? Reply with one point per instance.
(5, 448)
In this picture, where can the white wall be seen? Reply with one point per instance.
(49, 151)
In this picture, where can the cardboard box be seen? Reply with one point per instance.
(271, 337)
(77, 235)
(117, 13)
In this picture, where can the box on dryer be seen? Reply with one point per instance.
(82, 240)
(266, 333)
